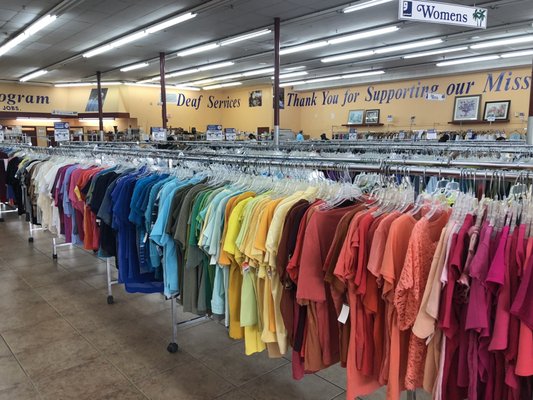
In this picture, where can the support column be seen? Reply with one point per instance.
(529, 137)
(276, 79)
(100, 105)
(163, 89)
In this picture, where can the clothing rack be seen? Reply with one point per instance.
(6, 208)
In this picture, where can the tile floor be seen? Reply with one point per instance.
(59, 339)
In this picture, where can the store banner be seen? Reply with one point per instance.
(443, 13)
(61, 131)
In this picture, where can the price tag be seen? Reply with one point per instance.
(343, 316)
(245, 267)
(491, 118)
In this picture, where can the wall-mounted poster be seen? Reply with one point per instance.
(499, 110)
(92, 104)
(355, 117)
(255, 99)
(466, 108)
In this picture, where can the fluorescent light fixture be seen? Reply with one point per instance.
(285, 84)
(468, 60)
(363, 35)
(503, 42)
(262, 71)
(134, 66)
(31, 30)
(145, 81)
(362, 74)
(98, 50)
(26, 119)
(111, 83)
(155, 78)
(435, 52)
(96, 119)
(222, 85)
(178, 73)
(155, 86)
(407, 46)
(292, 75)
(366, 4)
(226, 77)
(33, 75)
(198, 49)
(75, 84)
(201, 82)
(348, 56)
(170, 22)
(289, 69)
(115, 44)
(326, 79)
(303, 47)
(518, 54)
(245, 37)
(184, 87)
(216, 66)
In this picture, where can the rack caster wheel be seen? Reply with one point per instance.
(54, 256)
(2, 219)
(172, 347)
(110, 300)
(30, 240)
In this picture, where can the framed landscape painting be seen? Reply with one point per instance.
(355, 117)
(499, 110)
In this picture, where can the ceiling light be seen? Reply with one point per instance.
(134, 66)
(216, 66)
(222, 85)
(362, 74)
(363, 35)
(201, 82)
(263, 71)
(435, 52)
(407, 46)
(329, 78)
(291, 75)
(155, 78)
(111, 83)
(348, 56)
(226, 77)
(26, 119)
(31, 30)
(128, 39)
(291, 83)
(179, 73)
(170, 22)
(33, 75)
(468, 60)
(98, 50)
(75, 84)
(198, 49)
(139, 84)
(184, 87)
(303, 47)
(366, 4)
(503, 42)
(145, 81)
(518, 54)
(245, 37)
(288, 69)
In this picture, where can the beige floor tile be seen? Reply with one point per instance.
(26, 316)
(35, 259)
(190, 381)
(4, 349)
(22, 391)
(121, 392)
(236, 367)
(334, 374)
(46, 359)
(11, 373)
(236, 394)
(80, 382)
(269, 387)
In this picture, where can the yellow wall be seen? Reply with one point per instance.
(230, 107)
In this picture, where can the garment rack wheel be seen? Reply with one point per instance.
(172, 347)
(30, 239)
(110, 300)
(2, 219)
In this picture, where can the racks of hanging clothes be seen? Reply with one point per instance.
(364, 271)
(7, 196)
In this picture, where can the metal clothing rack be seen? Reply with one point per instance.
(6, 208)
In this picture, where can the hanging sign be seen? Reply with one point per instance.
(159, 134)
(443, 13)
(352, 135)
(491, 118)
(431, 134)
(231, 133)
(61, 131)
(214, 132)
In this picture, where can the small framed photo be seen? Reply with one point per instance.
(355, 117)
(372, 117)
(497, 110)
(466, 108)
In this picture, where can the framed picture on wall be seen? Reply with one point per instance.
(499, 110)
(372, 117)
(355, 117)
(466, 108)
(255, 99)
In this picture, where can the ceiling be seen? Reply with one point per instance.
(85, 24)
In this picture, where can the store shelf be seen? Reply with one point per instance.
(479, 122)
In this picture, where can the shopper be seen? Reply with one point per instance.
(323, 137)
(300, 136)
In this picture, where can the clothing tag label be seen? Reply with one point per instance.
(145, 237)
(428, 340)
(343, 316)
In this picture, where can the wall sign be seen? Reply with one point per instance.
(231, 133)
(214, 132)
(159, 134)
(443, 13)
(431, 134)
(61, 131)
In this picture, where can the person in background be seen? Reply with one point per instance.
(251, 136)
(300, 136)
(323, 137)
